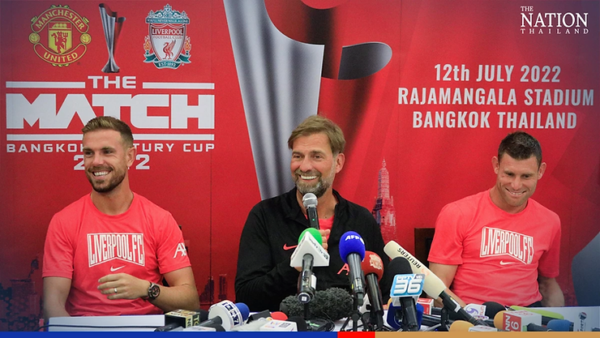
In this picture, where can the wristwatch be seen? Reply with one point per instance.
(153, 291)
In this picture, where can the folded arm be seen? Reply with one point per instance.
(446, 274)
(180, 294)
(552, 295)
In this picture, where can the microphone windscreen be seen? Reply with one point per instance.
(244, 310)
(499, 320)
(372, 264)
(291, 306)
(399, 266)
(332, 304)
(203, 315)
(314, 232)
(460, 326)
(310, 200)
(561, 325)
(492, 308)
(351, 242)
(279, 315)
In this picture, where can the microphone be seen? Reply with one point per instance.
(518, 321)
(403, 292)
(460, 326)
(394, 316)
(179, 319)
(332, 304)
(561, 325)
(372, 267)
(433, 286)
(492, 308)
(259, 319)
(463, 326)
(499, 320)
(547, 316)
(226, 315)
(310, 204)
(352, 251)
(308, 254)
(535, 327)
(258, 315)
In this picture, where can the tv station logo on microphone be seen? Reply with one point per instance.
(60, 35)
(409, 285)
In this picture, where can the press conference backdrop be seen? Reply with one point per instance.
(424, 91)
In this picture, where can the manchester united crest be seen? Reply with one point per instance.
(60, 35)
(167, 45)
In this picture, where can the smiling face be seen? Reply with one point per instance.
(313, 165)
(515, 182)
(106, 159)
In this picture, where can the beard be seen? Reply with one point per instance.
(115, 181)
(319, 188)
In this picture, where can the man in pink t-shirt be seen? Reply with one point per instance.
(108, 252)
(500, 245)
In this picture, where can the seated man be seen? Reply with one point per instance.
(264, 276)
(500, 245)
(107, 253)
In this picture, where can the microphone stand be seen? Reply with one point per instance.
(373, 321)
(355, 316)
(306, 311)
(444, 320)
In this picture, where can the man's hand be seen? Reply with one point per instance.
(325, 237)
(123, 286)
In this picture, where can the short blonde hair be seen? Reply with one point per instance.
(318, 124)
(110, 123)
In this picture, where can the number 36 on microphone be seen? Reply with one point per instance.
(407, 285)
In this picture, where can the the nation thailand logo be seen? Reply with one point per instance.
(60, 35)
(166, 44)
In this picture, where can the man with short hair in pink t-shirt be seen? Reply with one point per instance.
(499, 245)
(108, 252)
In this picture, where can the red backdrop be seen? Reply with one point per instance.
(209, 181)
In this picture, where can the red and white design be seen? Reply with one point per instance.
(180, 250)
(518, 320)
(106, 247)
(427, 304)
(374, 260)
(499, 242)
(53, 33)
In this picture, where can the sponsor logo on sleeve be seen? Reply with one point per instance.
(181, 250)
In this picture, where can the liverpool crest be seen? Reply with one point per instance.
(60, 35)
(166, 44)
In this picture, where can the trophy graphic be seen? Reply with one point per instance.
(112, 28)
